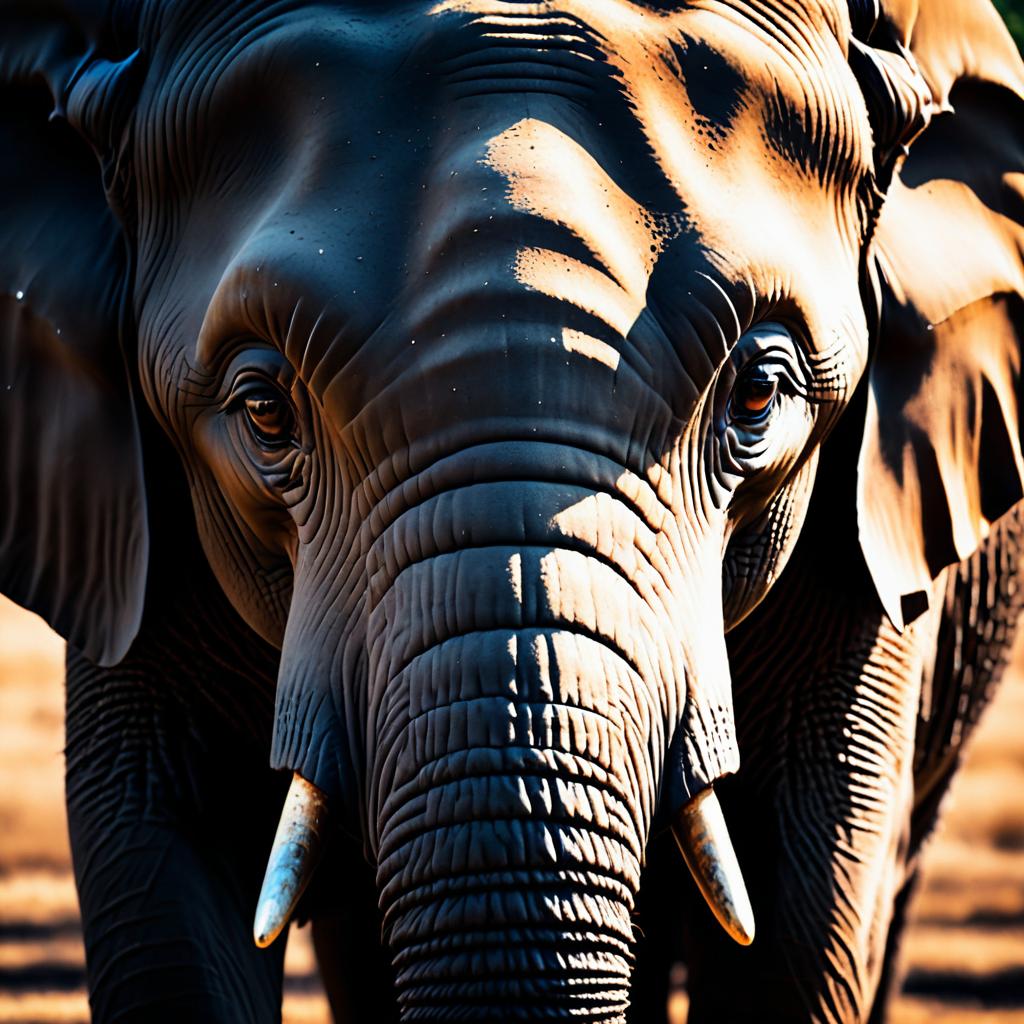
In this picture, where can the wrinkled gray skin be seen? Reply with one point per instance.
(496, 344)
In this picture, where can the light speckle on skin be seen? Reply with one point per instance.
(19, 295)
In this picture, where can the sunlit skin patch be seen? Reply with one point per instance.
(753, 224)
(504, 11)
(515, 575)
(540, 29)
(572, 281)
(754, 213)
(585, 345)
(551, 176)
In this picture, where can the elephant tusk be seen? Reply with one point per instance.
(700, 832)
(293, 858)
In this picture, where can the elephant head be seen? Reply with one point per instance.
(498, 342)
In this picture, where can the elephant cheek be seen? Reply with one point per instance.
(758, 552)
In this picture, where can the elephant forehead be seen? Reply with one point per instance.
(703, 63)
(771, 77)
(669, 142)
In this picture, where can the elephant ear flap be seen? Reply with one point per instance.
(941, 454)
(73, 526)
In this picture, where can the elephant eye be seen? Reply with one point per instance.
(270, 417)
(754, 395)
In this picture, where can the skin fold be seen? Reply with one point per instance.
(425, 399)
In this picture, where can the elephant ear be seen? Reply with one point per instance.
(73, 528)
(941, 453)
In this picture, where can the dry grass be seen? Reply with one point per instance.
(965, 950)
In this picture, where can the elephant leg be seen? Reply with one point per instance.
(981, 615)
(892, 970)
(171, 810)
(850, 734)
(165, 932)
(354, 964)
(984, 601)
(826, 807)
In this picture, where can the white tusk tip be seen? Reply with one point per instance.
(268, 926)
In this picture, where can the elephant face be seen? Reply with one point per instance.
(498, 342)
(493, 350)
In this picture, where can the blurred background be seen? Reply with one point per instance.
(965, 949)
(1013, 14)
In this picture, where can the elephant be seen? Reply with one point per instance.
(469, 446)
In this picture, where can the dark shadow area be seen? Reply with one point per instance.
(998, 990)
(34, 931)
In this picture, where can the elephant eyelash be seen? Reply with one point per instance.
(245, 384)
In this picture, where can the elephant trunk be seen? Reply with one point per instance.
(518, 890)
(528, 674)
(511, 840)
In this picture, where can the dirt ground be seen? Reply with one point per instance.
(965, 949)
